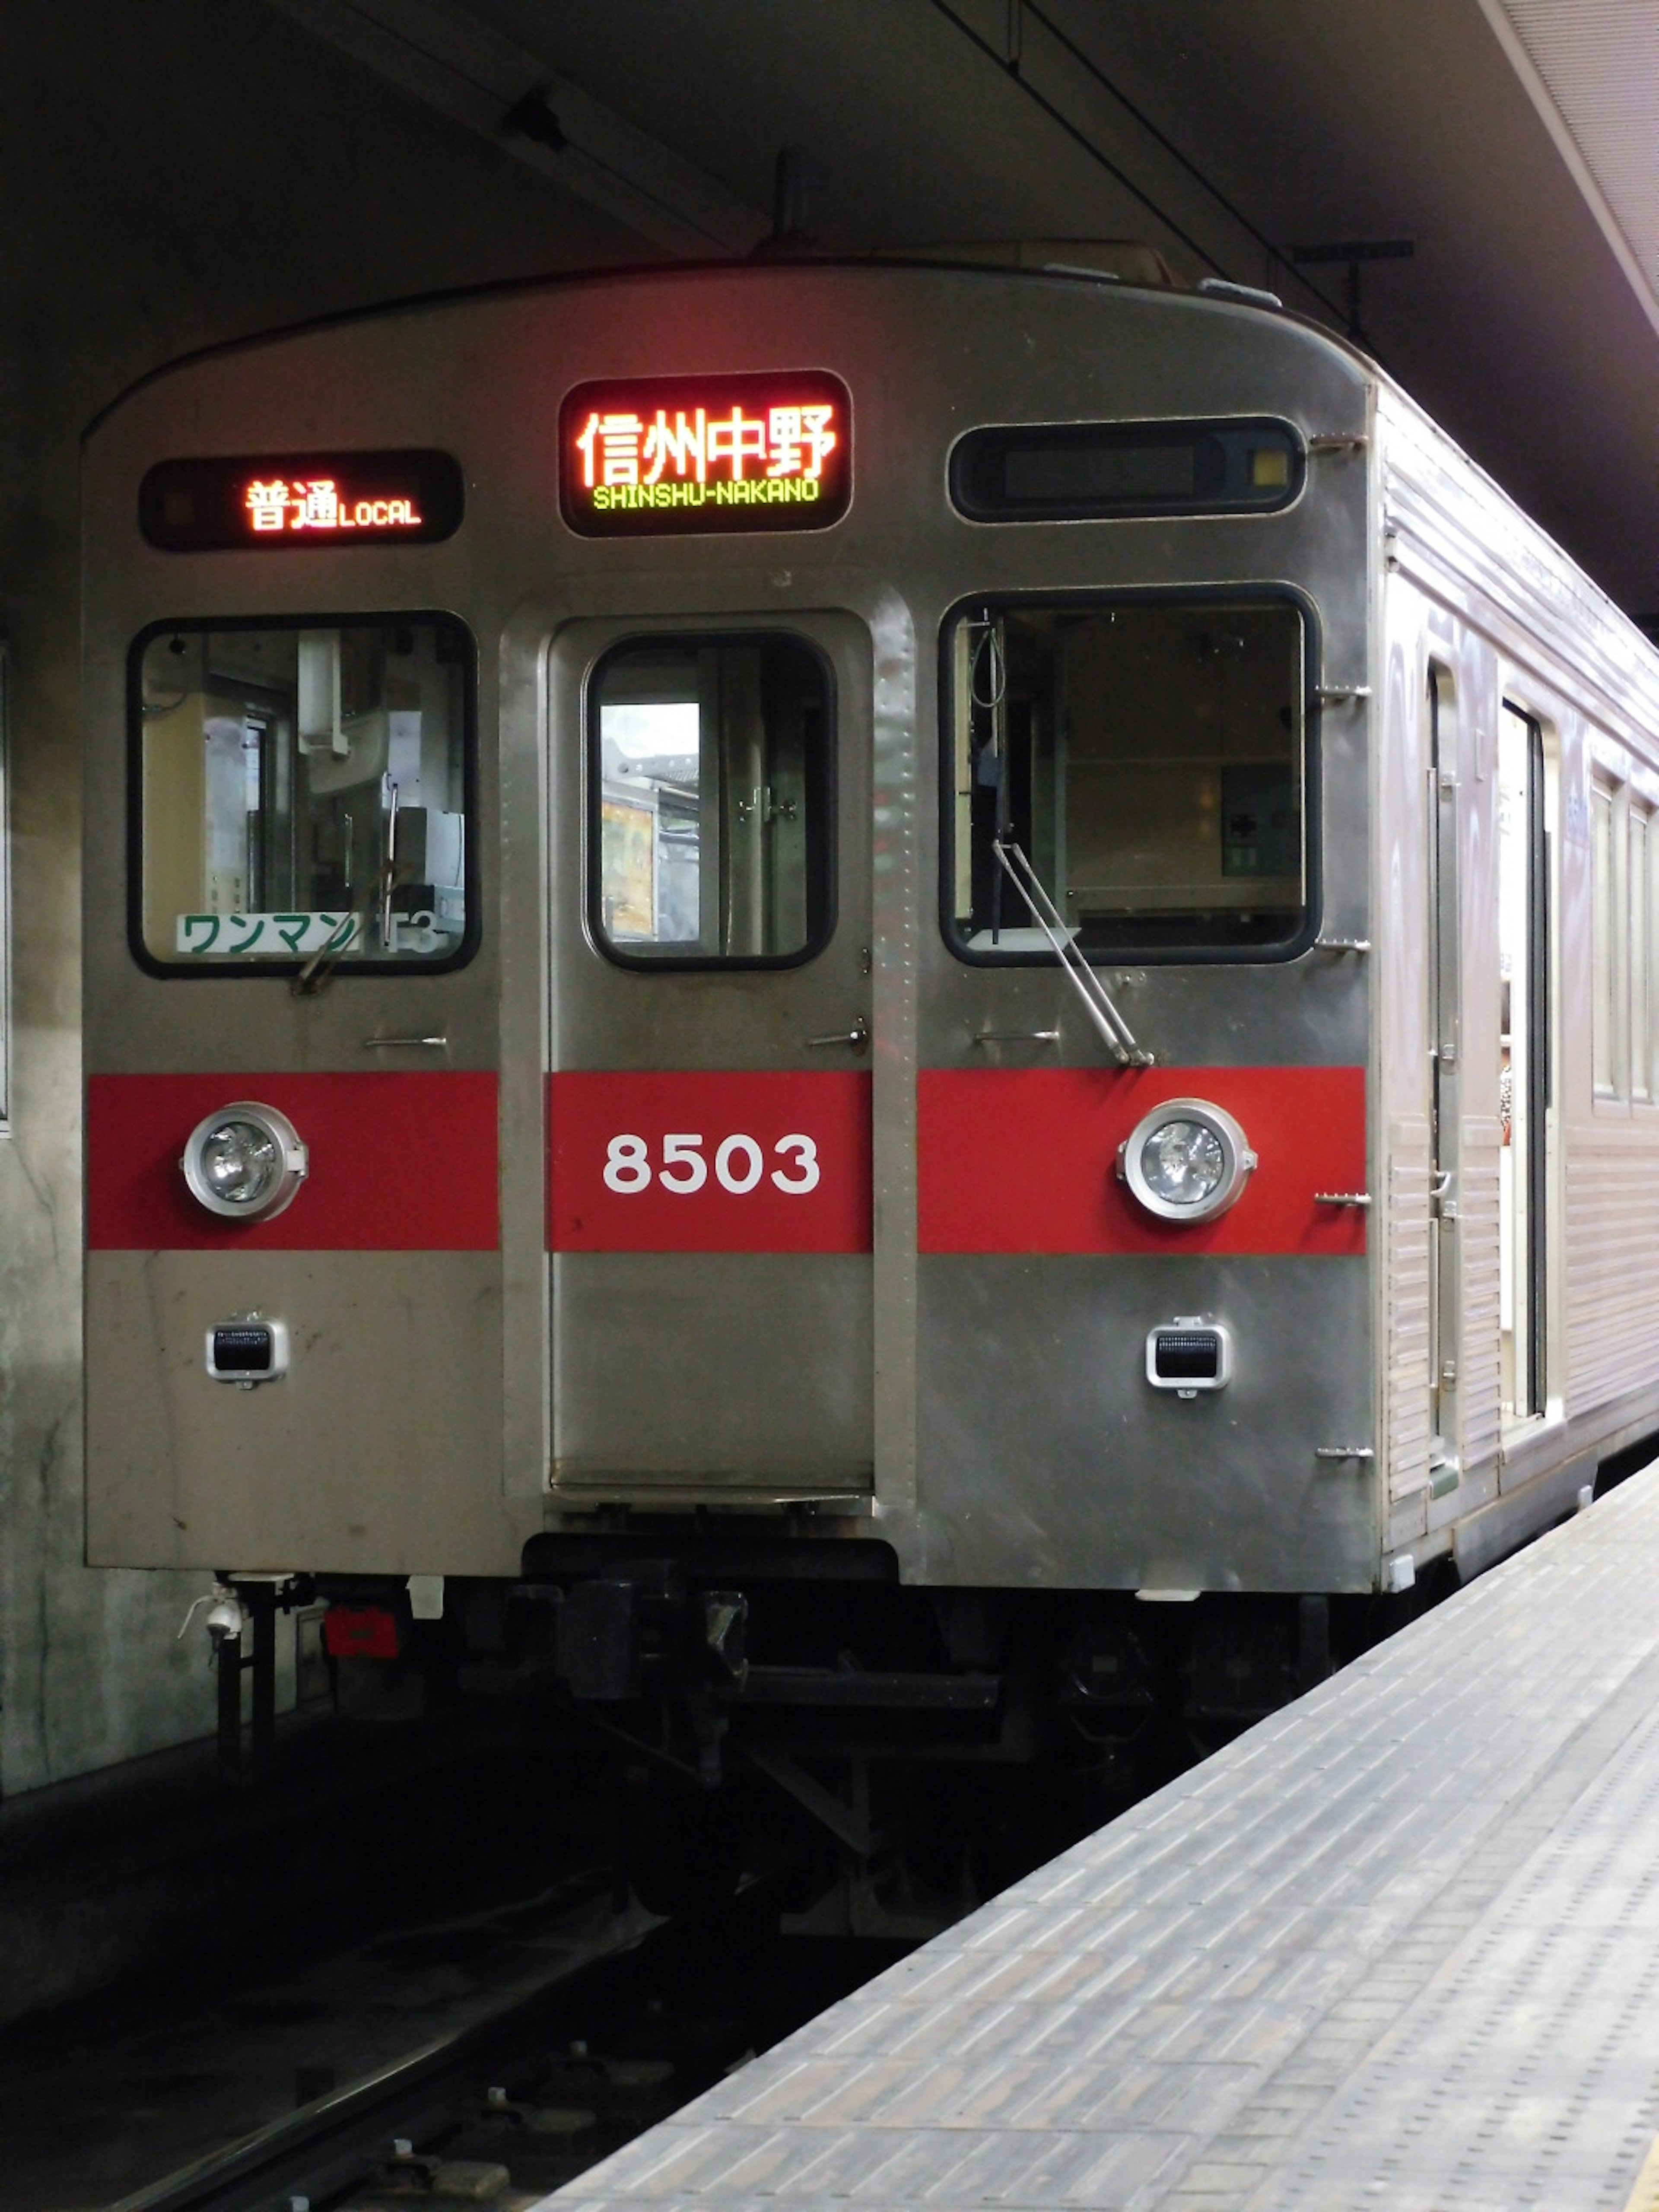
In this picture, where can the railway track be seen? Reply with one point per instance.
(515, 2104)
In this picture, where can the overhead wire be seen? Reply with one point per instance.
(1080, 137)
(1010, 65)
(1084, 61)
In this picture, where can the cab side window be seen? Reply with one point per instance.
(1150, 760)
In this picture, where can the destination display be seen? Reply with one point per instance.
(719, 453)
(292, 500)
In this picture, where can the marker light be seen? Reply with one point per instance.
(1186, 1161)
(244, 1162)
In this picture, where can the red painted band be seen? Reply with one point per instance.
(399, 1162)
(733, 1161)
(1025, 1159)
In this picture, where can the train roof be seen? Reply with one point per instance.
(1123, 271)
(1139, 270)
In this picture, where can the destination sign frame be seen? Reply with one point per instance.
(730, 455)
(290, 502)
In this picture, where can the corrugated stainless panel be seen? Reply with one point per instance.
(1480, 1372)
(1453, 532)
(1476, 584)
(1612, 1263)
(1397, 1945)
(1406, 1228)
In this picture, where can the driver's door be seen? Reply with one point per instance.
(709, 1087)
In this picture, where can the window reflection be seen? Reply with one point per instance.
(1149, 760)
(713, 814)
(303, 792)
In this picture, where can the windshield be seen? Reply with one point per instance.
(302, 790)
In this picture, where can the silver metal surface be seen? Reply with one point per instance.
(380, 1453)
(1398, 1945)
(1122, 1485)
(643, 1340)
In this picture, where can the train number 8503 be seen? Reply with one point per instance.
(739, 1163)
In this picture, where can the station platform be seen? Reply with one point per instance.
(1396, 1947)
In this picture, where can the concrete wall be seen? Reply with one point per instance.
(172, 174)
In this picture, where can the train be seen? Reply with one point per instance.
(858, 1013)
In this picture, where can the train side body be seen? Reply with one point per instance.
(1480, 606)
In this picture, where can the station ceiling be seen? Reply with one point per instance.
(1509, 143)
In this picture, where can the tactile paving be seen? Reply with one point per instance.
(1397, 1946)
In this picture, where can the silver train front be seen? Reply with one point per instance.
(507, 1357)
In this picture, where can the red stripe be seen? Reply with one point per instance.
(590, 1113)
(399, 1162)
(1024, 1160)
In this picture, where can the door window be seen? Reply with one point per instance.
(710, 767)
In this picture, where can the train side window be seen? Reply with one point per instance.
(1607, 946)
(1149, 757)
(1525, 1046)
(302, 794)
(711, 783)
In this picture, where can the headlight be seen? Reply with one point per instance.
(1187, 1161)
(244, 1162)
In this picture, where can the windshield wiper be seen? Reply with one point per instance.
(1096, 1000)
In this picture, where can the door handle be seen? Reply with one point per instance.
(857, 1039)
